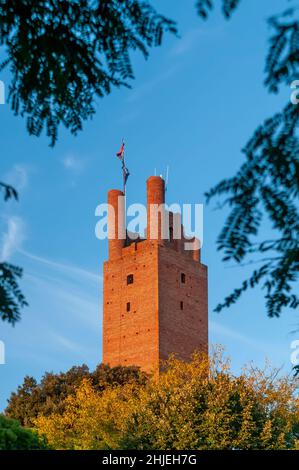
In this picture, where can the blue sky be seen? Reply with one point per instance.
(193, 106)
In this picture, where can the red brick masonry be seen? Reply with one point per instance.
(164, 307)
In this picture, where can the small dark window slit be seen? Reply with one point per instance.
(130, 279)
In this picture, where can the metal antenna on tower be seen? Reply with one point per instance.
(167, 177)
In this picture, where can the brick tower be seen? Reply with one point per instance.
(155, 298)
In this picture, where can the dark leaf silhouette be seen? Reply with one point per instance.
(267, 184)
(11, 298)
(9, 191)
(204, 7)
(62, 54)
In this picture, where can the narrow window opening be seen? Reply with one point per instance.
(128, 306)
(183, 278)
(171, 234)
(182, 305)
(130, 279)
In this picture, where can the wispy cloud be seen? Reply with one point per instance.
(63, 267)
(224, 331)
(73, 164)
(149, 86)
(18, 177)
(76, 301)
(186, 43)
(13, 238)
(66, 343)
(192, 38)
(62, 325)
(72, 290)
(129, 117)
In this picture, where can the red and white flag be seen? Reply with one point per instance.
(121, 153)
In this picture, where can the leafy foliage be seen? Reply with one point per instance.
(204, 7)
(9, 191)
(192, 406)
(11, 297)
(267, 184)
(64, 53)
(48, 396)
(14, 437)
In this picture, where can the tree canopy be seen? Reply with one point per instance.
(62, 54)
(48, 396)
(199, 405)
(14, 437)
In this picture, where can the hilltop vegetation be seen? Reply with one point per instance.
(14, 437)
(49, 396)
(197, 405)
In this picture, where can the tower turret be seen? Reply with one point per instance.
(116, 223)
(155, 197)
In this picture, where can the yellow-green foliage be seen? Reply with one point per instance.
(196, 405)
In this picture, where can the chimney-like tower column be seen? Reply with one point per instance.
(196, 250)
(116, 223)
(155, 196)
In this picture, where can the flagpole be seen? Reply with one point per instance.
(124, 179)
(125, 174)
(125, 195)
